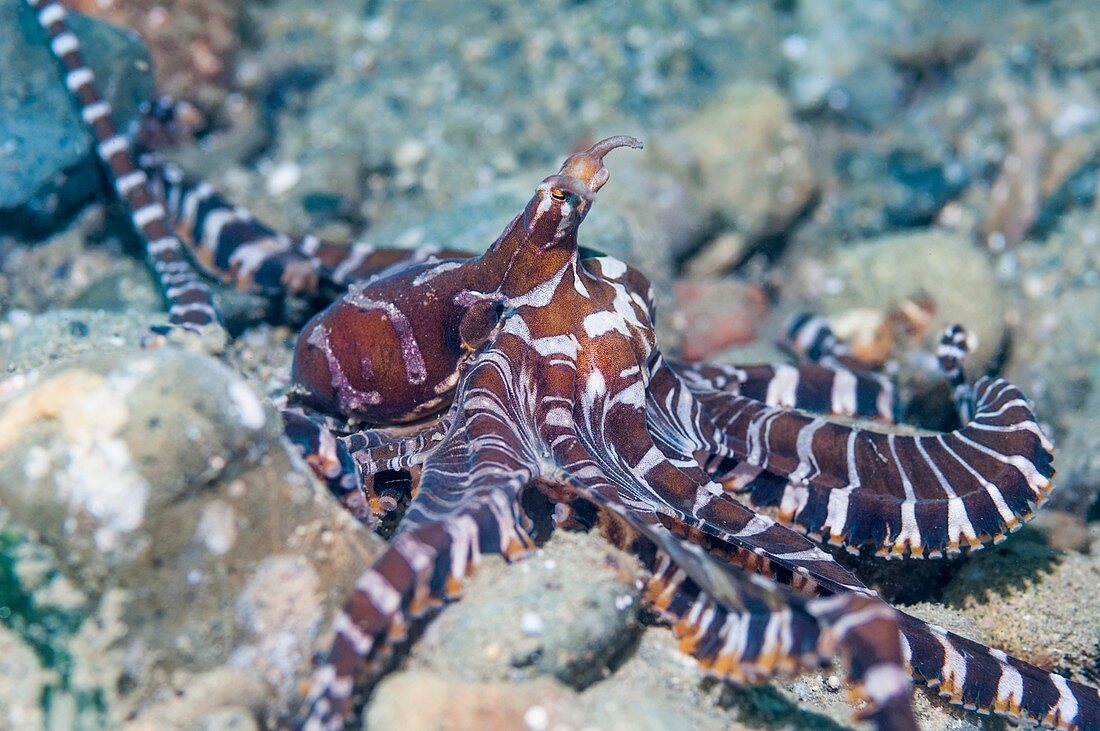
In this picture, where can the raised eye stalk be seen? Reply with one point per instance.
(587, 167)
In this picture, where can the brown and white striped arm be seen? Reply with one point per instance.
(184, 225)
(231, 245)
(420, 570)
(987, 680)
(744, 626)
(190, 302)
(809, 336)
(805, 386)
(918, 495)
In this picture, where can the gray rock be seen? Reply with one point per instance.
(418, 700)
(1077, 486)
(1072, 38)
(839, 58)
(1056, 348)
(745, 158)
(47, 168)
(158, 486)
(656, 689)
(26, 679)
(567, 611)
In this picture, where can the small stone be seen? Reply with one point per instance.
(1062, 530)
(415, 700)
(283, 177)
(566, 622)
(713, 314)
(536, 718)
(758, 185)
(531, 624)
(410, 153)
(720, 255)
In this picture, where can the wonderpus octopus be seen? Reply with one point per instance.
(474, 393)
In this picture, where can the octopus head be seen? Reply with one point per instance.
(562, 201)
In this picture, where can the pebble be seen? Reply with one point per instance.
(714, 314)
(571, 619)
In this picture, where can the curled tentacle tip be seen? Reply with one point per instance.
(608, 144)
(587, 166)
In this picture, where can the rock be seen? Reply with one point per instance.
(1062, 530)
(1056, 345)
(1077, 486)
(190, 537)
(714, 314)
(133, 433)
(422, 701)
(567, 612)
(1072, 38)
(891, 275)
(1036, 603)
(221, 699)
(901, 188)
(720, 254)
(652, 697)
(747, 158)
(47, 169)
(65, 334)
(839, 58)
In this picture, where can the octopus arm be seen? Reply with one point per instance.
(987, 680)
(744, 626)
(806, 386)
(922, 495)
(467, 506)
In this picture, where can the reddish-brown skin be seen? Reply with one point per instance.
(344, 359)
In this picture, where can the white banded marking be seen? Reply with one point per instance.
(94, 112)
(63, 44)
(124, 184)
(78, 77)
(147, 214)
(50, 14)
(111, 146)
